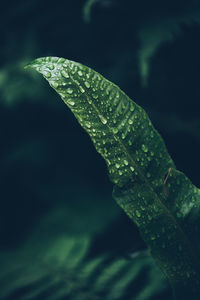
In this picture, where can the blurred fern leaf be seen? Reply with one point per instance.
(61, 269)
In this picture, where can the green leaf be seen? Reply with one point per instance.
(55, 265)
(159, 199)
(87, 9)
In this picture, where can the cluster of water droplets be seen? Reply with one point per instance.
(120, 130)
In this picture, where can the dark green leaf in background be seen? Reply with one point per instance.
(60, 269)
(59, 261)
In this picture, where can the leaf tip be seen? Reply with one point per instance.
(47, 66)
(35, 64)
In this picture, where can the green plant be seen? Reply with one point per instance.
(158, 198)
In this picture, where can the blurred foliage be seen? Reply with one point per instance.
(38, 135)
(57, 262)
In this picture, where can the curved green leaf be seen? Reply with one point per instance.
(158, 198)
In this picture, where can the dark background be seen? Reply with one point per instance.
(52, 180)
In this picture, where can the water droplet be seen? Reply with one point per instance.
(65, 74)
(103, 120)
(117, 166)
(138, 214)
(130, 121)
(108, 162)
(151, 134)
(120, 172)
(51, 67)
(132, 168)
(115, 130)
(65, 64)
(61, 60)
(144, 148)
(82, 89)
(71, 102)
(132, 108)
(80, 73)
(148, 175)
(123, 136)
(95, 96)
(130, 143)
(47, 74)
(153, 238)
(88, 125)
(89, 100)
(69, 91)
(54, 84)
(126, 162)
(87, 84)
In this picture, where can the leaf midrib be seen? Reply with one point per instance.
(135, 165)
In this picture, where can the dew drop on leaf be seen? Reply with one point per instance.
(87, 84)
(88, 125)
(51, 67)
(130, 121)
(54, 84)
(138, 214)
(103, 120)
(126, 162)
(65, 74)
(123, 136)
(144, 148)
(47, 74)
(69, 91)
(81, 89)
(80, 73)
(71, 102)
(130, 143)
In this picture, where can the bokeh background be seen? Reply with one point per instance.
(62, 236)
